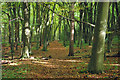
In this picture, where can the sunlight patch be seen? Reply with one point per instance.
(51, 66)
(103, 33)
(43, 62)
(13, 64)
(71, 60)
(39, 62)
(27, 31)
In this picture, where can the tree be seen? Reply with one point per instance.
(71, 46)
(16, 25)
(26, 33)
(90, 28)
(45, 28)
(80, 39)
(110, 29)
(85, 28)
(38, 24)
(119, 34)
(12, 32)
(96, 62)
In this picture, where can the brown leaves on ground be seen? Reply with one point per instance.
(60, 65)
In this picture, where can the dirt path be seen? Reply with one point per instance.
(60, 65)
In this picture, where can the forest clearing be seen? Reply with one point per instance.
(60, 40)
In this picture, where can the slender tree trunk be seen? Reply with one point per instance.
(12, 34)
(80, 29)
(118, 34)
(18, 11)
(55, 31)
(59, 28)
(111, 35)
(38, 24)
(75, 36)
(118, 27)
(108, 28)
(71, 46)
(64, 39)
(90, 28)
(23, 21)
(96, 62)
(9, 25)
(95, 12)
(32, 27)
(16, 26)
(40, 31)
(68, 33)
(49, 33)
(45, 30)
(4, 32)
(86, 25)
(117, 12)
(45, 38)
(30, 52)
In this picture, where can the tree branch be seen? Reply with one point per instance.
(72, 19)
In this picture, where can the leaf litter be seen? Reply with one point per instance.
(59, 66)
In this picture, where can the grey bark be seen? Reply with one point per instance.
(26, 38)
(96, 62)
(71, 46)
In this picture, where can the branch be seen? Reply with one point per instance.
(12, 19)
(72, 19)
(5, 13)
(16, 19)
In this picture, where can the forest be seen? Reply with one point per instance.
(60, 39)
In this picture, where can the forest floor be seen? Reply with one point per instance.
(59, 65)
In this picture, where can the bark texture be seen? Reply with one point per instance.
(97, 58)
(71, 46)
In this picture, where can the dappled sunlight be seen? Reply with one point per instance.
(52, 40)
(71, 60)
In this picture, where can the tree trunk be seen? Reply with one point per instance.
(30, 52)
(71, 46)
(23, 21)
(4, 32)
(95, 12)
(64, 39)
(119, 34)
(16, 26)
(86, 25)
(45, 30)
(12, 34)
(26, 38)
(38, 24)
(117, 12)
(90, 28)
(18, 11)
(9, 25)
(32, 27)
(97, 57)
(81, 31)
(80, 28)
(49, 33)
(59, 28)
(110, 29)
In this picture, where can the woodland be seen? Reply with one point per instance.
(60, 40)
